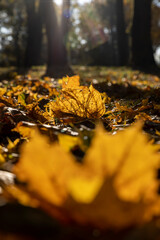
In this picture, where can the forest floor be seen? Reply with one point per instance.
(120, 97)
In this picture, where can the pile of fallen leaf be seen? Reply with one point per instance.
(69, 150)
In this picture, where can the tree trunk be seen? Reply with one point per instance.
(65, 25)
(122, 42)
(34, 40)
(57, 65)
(112, 21)
(65, 21)
(16, 34)
(142, 52)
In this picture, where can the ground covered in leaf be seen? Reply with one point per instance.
(79, 156)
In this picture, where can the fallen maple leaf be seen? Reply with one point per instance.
(71, 82)
(81, 101)
(115, 187)
(2, 91)
(24, 131)
(67, 141)
(54, 188)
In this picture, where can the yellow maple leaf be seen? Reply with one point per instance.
(143, 116)
(2, 159)
(126, 161)
(115, 187)
(21, 99)
(25, 131)
(82, 101)
(23, 197)
(70, 82)
(2, 91)
(13, 144)
(67, 141)
(54, 187)
(118, 180)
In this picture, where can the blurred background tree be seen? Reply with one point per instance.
(142, 50)
(57, 63)
(12, 32)
(89, 32)
(34, 10)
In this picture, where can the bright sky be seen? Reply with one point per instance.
(59, 2)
